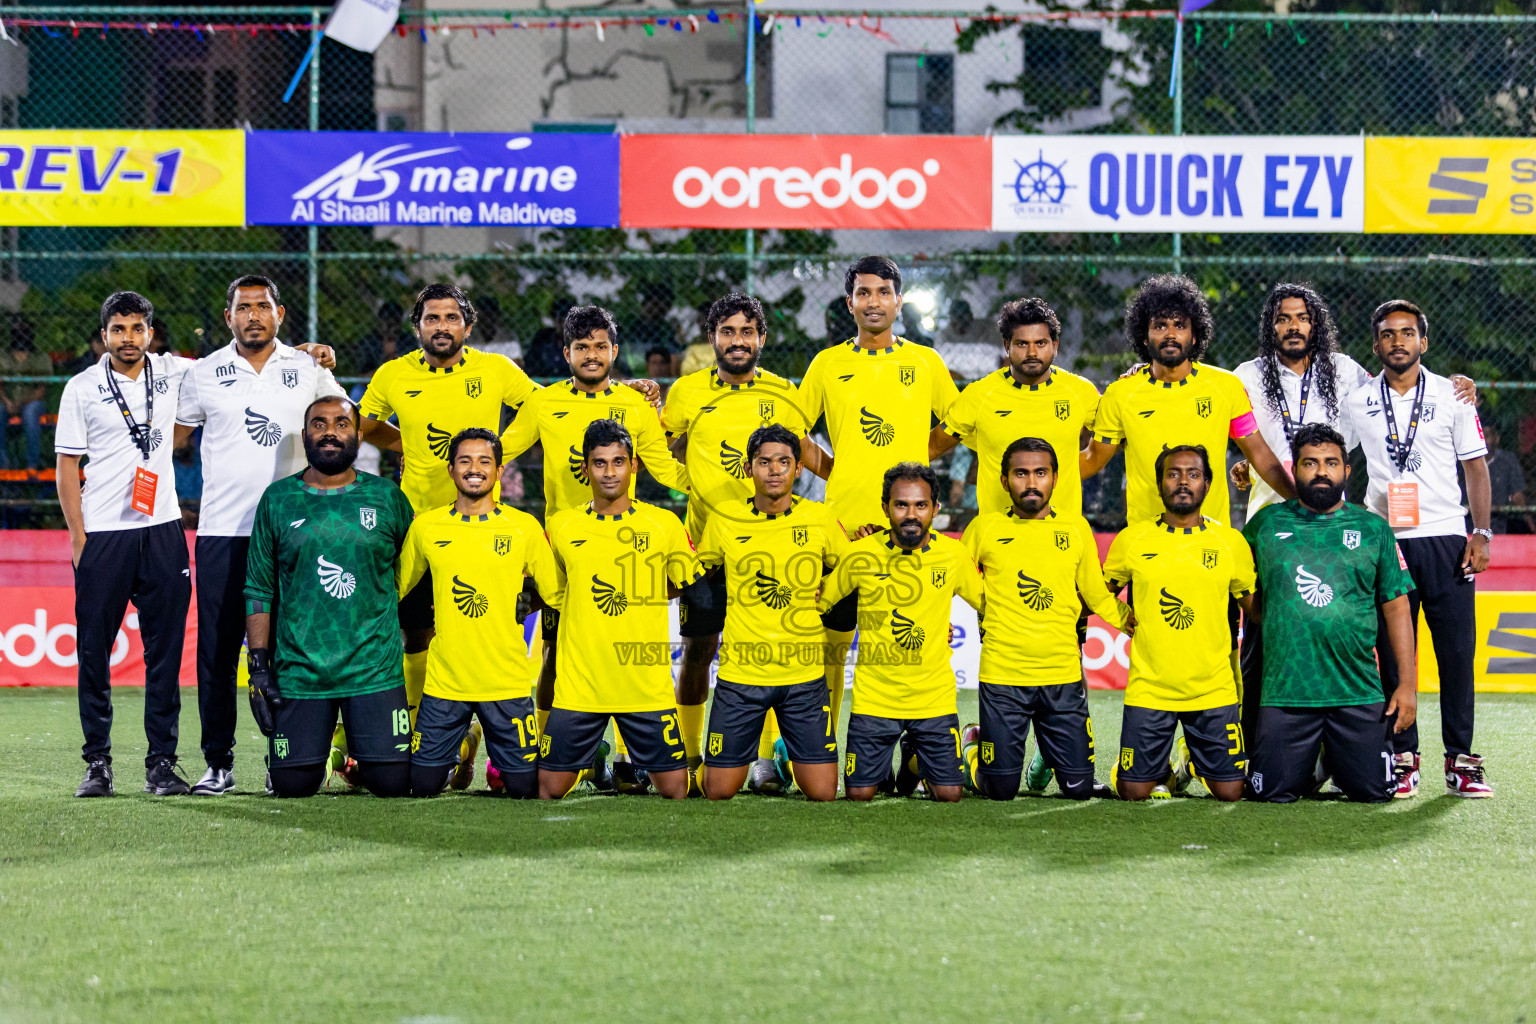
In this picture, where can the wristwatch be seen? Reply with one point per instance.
(1485, 534)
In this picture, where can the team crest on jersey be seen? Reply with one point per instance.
(280, 746)
(503, 544)
(732, 461)
(1063, 408)
(616, 414)
(908, 375)
(261, 428)
(1063, 540)
(578, 466)
(988, 752)
(469, 600)
(642, 541)
(1208, 557)
(1203, 408)
(609, 599)
(1256, 780)
(1429, 412)
(876, 431)
(940, 575)
(1127, 758)
(800, 535)
(765, 409)
(1175, 612)
(162, 385)
(290, 379)
(1352, 539)
(716, 741)
(368, 517)
(438, 441)
(472, 387)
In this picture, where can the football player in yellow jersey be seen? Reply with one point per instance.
(1030, 397)
(708, 417)
(1040, 567)
(881, 396)
(478, 552)
(619, 561)
(557, 417)
(905, 579)
(1176, 400)
(1181, 569)
(773, 549)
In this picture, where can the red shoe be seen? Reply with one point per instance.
(1464, 777)
(1405, 776)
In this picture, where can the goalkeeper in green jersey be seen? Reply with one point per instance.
(321, 614)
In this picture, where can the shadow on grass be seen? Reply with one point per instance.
(886, 836)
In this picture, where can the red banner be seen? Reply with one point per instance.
(805, 181)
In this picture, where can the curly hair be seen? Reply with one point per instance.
(1022, 313)
(727, 306)
(1166, 295)
(1321, 346)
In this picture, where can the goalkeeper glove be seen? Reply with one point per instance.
(265, 696)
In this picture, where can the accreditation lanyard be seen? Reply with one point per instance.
(1301, 417)
(140, 432)
(1398, 449)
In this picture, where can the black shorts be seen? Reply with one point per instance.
(871, 739)
(378, 729)
(511, 732)
(1063, 730)
(1214, 737)
(803, 710)
(416, 605)
(843, 617)
(571, 739)
(696, 622)
(1355, 742)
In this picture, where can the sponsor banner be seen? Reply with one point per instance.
(439, 179)
(122, 178)
(37, 641)
(1451, 186)
(1121, 183)
(1505, 661)
(805, 181)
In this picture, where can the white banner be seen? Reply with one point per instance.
(363, 24)
(1217, 183)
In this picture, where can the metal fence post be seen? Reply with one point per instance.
(751, 76)
(314, 231)
(1178, 122)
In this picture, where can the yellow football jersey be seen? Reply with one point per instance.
(1147, 415)
(904, 604)
(997, 410)
(773, 566)
(1038, 573)
(433, 404)
(1180, 580)
(477, 565)
(718, 418)
(615, 650)
(880, 406)
(559, 416)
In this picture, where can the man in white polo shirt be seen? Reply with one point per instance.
(1415, 433)
(249, 397)
(125, 529)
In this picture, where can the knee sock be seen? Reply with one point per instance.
(620, 748)
(542, 717)
(520, 785)
(769, 735)
(1075, 786)
(297, 782)
(835, 663)
(690, 718)
(385, 780)
(999, 787)
(415, 681)
(429, 780)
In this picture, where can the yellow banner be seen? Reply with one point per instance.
(1450, 186)
(1506, 645)
(122, 178)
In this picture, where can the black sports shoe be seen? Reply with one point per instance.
(907, 779)
(98, 779)
(164, 778)
(629, 780)
(215, 782)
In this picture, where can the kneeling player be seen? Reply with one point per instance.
(773, 549)
(320, 587)
(905, 579)
(1324, 568)
(1182, 569)
(619, 561)
(477, 552)
(1038, 565)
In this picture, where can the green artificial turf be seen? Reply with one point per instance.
(468, 908)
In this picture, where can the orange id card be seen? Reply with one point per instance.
(1402, 505)
(144, 484)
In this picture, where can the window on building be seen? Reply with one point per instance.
(919, 93)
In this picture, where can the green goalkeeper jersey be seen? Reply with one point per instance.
(1321, 578)
(323, 563)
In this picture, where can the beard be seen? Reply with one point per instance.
(1321, 494)
(1030, 502)
(1289, 351)
(1182, 503)
(909, 533)
(442, 345)
(739, 362)
(1171, 360)
(329, 459)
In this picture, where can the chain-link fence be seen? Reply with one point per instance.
(829, 71)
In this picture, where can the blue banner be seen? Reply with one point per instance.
(439, 179)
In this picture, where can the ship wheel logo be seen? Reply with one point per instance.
(1040, 182)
